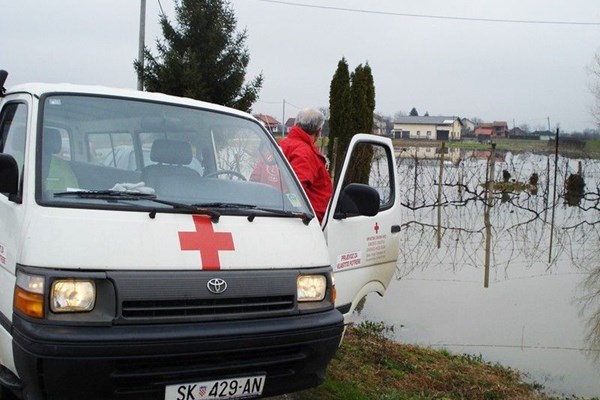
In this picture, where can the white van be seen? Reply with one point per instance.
(174, 275)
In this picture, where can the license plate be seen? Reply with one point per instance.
(223, 389)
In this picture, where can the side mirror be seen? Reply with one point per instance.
(3, 75)
(357, 199)
(9, 174)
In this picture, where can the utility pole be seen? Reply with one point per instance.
(283, 120)
(553, 196)
(487, 205)
(439, 197)
(140, 83)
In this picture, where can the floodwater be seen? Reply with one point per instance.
(511, 273)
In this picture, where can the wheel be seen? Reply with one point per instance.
(226, 172)
(6, 394)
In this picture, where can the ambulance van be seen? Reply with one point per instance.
(142, 256)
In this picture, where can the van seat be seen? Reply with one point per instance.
(172, 158)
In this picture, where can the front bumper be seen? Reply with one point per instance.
(138, 361)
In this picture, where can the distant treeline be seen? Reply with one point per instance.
(527, 137)
(570, 142)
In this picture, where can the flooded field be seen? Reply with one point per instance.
(500, 257)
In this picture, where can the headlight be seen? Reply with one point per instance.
(70, 295)
(29, 295)
(311, 287)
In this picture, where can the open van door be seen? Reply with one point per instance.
(363, 221)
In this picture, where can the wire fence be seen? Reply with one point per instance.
(512, 215)
(534, 207)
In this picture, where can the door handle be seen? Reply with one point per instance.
(395, 228)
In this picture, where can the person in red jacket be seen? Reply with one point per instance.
(306, 159)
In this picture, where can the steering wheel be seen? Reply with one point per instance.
(229, 172)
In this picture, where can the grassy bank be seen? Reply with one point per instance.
(370, 366)
(584, 149)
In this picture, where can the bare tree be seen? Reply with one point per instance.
(525, 128)
(325, 111)
(399, 114)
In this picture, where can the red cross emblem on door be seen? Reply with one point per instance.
(207, 241)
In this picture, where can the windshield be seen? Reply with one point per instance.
(91, 148)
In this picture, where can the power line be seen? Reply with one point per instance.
(269, 102)
(446, 17)
(278, 102)
(293, 105)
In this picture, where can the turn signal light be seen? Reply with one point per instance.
(28, 303)
(29, 295)
(333, 294)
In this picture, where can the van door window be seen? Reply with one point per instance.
(13, 128)
(371, 166)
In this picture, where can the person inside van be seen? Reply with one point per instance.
(307, 161)
(57, 174)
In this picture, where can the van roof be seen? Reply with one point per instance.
(38, 89)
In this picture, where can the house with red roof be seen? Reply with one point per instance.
(270, 123)
(490, 130)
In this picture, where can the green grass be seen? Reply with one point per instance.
(592, 146)
(590, 150)
(370, 366)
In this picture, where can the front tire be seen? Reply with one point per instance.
(6, 394)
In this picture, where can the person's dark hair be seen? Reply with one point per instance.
(310, 120)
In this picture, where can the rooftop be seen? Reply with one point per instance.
(425, 120)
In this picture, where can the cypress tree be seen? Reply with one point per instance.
(351, 105)
(363, 106)
(340, 123)
(201, 56)
(363, 99)
(370, 88)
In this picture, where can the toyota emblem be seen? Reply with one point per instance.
(216, 285)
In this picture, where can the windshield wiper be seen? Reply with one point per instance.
(132, 195)
(256, 211)
(199, 208)
(306, 218)
(196, 208)
(221, 204)
(106, 194)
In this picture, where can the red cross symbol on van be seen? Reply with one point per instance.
(207, 241)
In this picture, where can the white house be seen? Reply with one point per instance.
(468, 125)
(428, 128)
(379, 125)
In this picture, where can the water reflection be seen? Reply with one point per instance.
(590, 299)
(513, 239)
(574, 190)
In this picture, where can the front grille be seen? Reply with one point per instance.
(154, 297)
(206, 307)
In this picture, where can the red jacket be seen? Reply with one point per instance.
(309, 165)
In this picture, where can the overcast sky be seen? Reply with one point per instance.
(469, 63)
